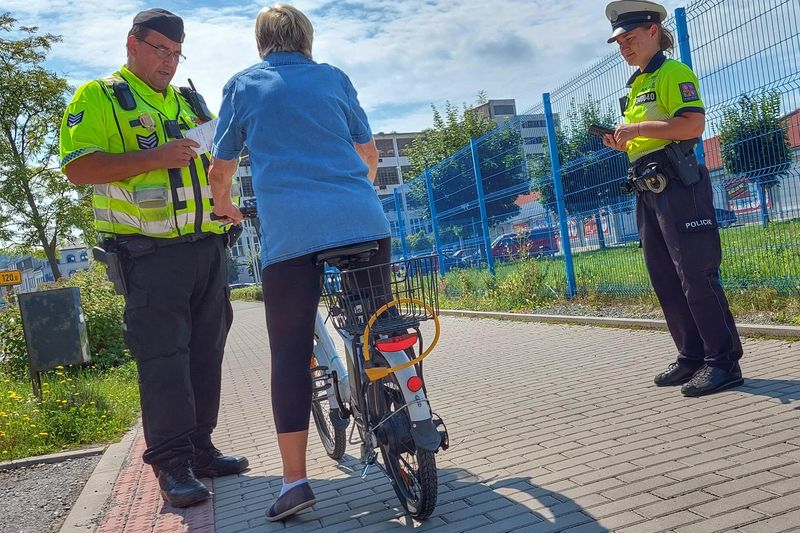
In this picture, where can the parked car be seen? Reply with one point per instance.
(464, 258)
(535, 243)
(233, 286)
(725, 217)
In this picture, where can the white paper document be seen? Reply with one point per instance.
(204, 135)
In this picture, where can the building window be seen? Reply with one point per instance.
(247, 186)
(539, 123)
(70, 258)
(84, 256)
(503, 110)
(387, 176)
(403, 146)
(385, 147)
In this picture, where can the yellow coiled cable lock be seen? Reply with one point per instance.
(375, 374)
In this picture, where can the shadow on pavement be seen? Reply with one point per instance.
(348, 504)
(785, 390)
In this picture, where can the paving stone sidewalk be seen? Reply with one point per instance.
(553, 428)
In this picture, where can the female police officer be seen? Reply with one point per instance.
(664, 116)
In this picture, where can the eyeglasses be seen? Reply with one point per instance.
(163, 52)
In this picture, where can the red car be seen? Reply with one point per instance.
(535, 243)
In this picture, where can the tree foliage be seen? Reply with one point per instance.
(40, 207)
(590, 172)
(445, 151)
(753, 142)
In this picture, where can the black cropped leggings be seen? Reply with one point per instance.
(292, 290)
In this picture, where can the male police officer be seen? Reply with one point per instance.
(664, 115)
(124, 135)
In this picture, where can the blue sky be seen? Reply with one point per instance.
(401, 56)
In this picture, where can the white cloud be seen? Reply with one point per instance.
(401, 56)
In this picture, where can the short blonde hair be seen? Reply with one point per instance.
(283, 28)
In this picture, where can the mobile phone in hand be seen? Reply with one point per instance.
(600, 131)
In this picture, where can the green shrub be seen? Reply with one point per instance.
(103, 310)
(249, 294)
(520, 289)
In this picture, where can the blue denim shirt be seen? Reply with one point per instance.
(299, 120)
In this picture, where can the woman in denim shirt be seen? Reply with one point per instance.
(313, 159)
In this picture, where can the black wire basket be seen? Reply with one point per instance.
(353, 296)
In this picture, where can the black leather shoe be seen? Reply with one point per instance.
(209, 462)
(179, 486)
(710, 379)
(675, 374)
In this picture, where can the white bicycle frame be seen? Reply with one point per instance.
(325, 353)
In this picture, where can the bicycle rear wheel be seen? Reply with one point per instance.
(334, 439)
(411, 470)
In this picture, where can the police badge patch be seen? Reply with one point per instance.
(147, 141)
(74, 119)
(688, 92)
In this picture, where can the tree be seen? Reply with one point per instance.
(40, 207)
(445, 151)
(590, 172)
(753, 143)
(419, 242)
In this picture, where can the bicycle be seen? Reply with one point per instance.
(379, 385)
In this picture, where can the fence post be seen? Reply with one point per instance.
(686, 58)
(566, 246)
(401, 227)
(435, 223)
(487, 241)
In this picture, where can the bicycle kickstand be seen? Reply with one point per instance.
(371, 458)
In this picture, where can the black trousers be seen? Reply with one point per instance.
(292, 290)
(682, 252)
(177, 317)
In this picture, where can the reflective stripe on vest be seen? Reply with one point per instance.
(159, 203)
(121, 221)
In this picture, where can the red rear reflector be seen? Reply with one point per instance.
(414, 383)
(397, 344)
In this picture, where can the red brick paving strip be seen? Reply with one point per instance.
(136, 505)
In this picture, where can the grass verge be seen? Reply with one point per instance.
(78, 407)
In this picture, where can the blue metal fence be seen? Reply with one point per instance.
(540, 186)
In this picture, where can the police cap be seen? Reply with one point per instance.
(626, 15)
(167, 24)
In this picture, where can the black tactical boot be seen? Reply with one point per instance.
(710, 379)
(179, 486)
(675, 374)
(209, 462)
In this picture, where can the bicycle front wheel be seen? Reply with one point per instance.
(334, 439)
(412, 470)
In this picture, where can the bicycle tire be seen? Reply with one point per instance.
(412, 471)
(333, 439)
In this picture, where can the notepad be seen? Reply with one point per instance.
(204, 135)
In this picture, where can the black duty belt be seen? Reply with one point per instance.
(653, 172)
(135, 245)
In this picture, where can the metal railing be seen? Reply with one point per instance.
(553, 193)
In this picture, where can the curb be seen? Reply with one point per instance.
(95, 494)
(53, 458)
(747, 330)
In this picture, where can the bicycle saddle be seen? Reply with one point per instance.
(347, 255)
